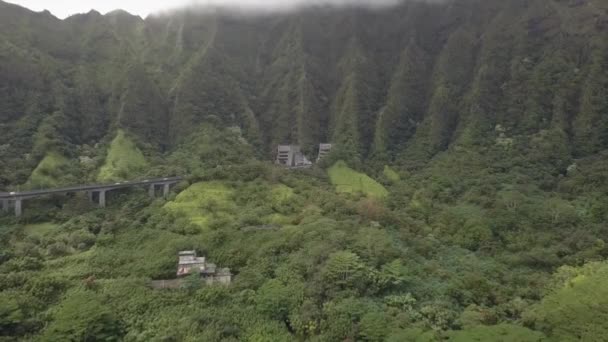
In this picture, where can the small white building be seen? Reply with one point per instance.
(189, 263)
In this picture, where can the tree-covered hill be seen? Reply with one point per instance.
(465, 199)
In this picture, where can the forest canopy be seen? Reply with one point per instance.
(464, 198)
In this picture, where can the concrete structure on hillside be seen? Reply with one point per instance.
(189, 264)
(324, 150)
(285, 154)
(96, 192)
(291, 156)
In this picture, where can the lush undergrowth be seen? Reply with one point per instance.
(124, 160)
(202, 201)
(50, 172)
(40, 230)
(390, 174)
(206, 204)
(459, 250)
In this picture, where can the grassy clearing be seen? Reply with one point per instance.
(201, 201)
(124, 160)
(49, 172)
(348, 180)
(208, 203)
(40, 229)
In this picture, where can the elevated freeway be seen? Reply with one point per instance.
(96, 192)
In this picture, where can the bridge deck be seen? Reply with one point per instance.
(90, 187)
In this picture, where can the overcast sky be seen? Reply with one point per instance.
(64, 8)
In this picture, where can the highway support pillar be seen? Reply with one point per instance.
(152, 190)
(18, 207)
(102, 198)
(166, 188)
(5, 205)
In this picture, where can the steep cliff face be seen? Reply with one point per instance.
(410, 80)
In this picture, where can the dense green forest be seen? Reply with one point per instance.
(465, 199)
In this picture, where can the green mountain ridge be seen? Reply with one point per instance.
(465, 197)
(414, 79)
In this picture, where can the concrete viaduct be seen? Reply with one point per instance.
(96, 192)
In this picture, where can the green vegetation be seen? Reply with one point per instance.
(434, 89)
(123, 161)
(436, 259)
(348, 180)
(40, 230)
(202, 200)
(570, 310)
(390, 174)
(502, 333)
(465, 198)
(82, 316)
(216, 204)
(50, 172)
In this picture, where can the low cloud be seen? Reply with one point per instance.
(143, 8)
(279, 5)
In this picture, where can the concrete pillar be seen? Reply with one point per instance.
(152, 190)
(5, 205)
(102, 198)
(90, 195)
(291, 155)
(166, 188)
(18, 208)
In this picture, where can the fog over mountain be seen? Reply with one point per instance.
(63, 9)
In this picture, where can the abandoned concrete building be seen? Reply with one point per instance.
(291, 156)
(324, 150)
(189, 264)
